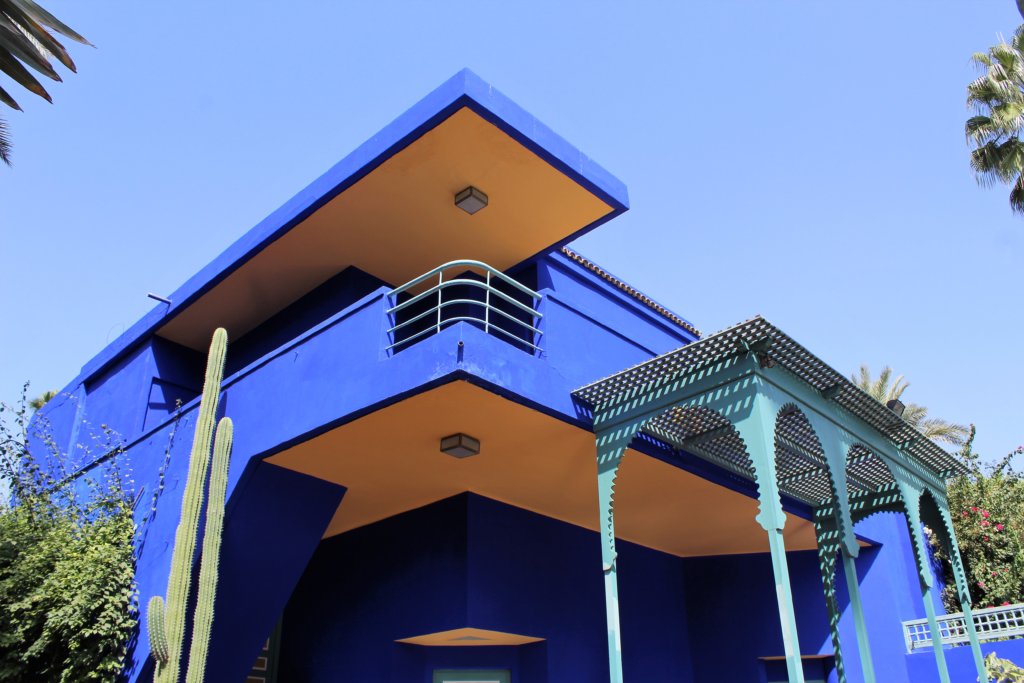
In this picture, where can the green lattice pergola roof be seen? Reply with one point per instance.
(802, 471)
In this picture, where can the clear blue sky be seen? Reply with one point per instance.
(801, 160)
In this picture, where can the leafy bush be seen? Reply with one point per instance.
(67, 570)
(987, 506)
(1003, 670)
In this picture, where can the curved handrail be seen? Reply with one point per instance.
(470, 302)
(531, 331)
(463, 281)
(466, 263)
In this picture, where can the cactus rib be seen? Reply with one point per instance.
(179, 583)
(207, 588)
(157, 629)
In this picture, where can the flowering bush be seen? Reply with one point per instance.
(987, 506)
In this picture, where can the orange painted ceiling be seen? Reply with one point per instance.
(390, 461)
(461, 637)
(400, 221)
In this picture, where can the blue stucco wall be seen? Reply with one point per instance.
(470, 561)
(734, 618)
(921, 664)
(322, 362)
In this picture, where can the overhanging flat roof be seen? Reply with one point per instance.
(388, 208)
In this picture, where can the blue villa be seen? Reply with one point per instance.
(464, 452)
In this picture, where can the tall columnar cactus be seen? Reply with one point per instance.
(167, 620)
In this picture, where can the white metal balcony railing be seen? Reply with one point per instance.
(449, 301)
(992, 623)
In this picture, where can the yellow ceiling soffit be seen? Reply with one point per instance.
(390, 461)
(400, 221)
(463, 637)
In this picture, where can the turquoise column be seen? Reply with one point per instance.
(963, 590)
(787, 614)
(611, 446)
(933, 627)
(911, 502)
(757, 429)
(972, 636)
(863, 646)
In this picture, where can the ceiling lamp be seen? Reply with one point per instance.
(460, 445)
(471, 200)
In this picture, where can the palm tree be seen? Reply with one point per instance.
(42, 399)
(998, 98)
(26, 41)
(887, 388)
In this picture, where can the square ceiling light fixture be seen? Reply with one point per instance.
(471, 200)
(460, 445)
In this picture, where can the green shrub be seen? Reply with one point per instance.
(1003, 670)
(67, 569)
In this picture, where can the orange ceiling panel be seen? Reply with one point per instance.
(401, 221)
(391, 462)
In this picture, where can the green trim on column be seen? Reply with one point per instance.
(972, 636)
(757, 430)
(836, 444)
(911, 499)
(945, 521)
(828, 545)
(611, 446)
(863, 646)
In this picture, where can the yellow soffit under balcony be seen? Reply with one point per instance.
(400, 221)
(390, 461)
(462, 637)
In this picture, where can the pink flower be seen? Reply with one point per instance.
(966, 513)
(985, 538)
(999, 527)
(984, 522)
(994, 573)
(974, 509)
(981, 584)
(1005, 603)
(984, 513)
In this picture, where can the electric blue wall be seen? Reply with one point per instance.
(322, 362)
(734, 615)
(337, 370)
(470, 561)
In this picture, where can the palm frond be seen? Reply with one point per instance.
(880, 388)
(997, 97)
(941, 430)
(1017, 196)
(914, 414)
(885, 388)
(5, 144)
(26, 42)
(27, 24)
(46, 19)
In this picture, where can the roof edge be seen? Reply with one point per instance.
(464, 89)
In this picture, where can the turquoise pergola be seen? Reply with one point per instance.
(755, 402)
